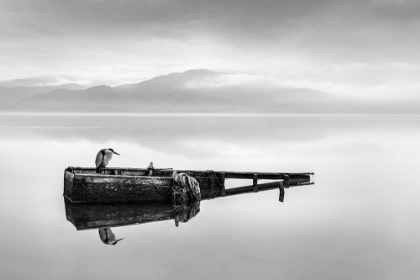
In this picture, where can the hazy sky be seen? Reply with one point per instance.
(338, 46)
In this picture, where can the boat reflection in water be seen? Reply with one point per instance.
(185, 213)
(181, 214)
(104, 216)
(97, 216)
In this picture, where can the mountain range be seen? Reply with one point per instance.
(193, 91)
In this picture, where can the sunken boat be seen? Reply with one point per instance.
(125, 185)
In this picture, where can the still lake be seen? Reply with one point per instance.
(358, 221)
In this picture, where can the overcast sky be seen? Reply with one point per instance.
(338, 46)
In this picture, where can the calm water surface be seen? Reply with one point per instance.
(359, 220)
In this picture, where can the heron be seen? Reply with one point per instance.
(102, 159)
(108, 237)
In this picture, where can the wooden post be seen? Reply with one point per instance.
(222, 183)
(210, 186)
(150, 169)
(255, 182)
(281, 187)
(286, 179)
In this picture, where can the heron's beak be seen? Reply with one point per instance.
(116, 241)
(116, 153)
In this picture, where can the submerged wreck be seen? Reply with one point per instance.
(126, 185)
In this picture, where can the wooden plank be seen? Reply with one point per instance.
(123, 171)
(107, 188)
(205, 171)
(195, 173)
(301, 184)
(68, 180)
(249, 175)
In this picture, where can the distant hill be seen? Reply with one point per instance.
(194, 91)
(95, 99)
(11, 94)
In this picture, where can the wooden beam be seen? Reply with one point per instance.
(198, 171)
(247, 189)
(304, 176)
(222, 183)
(286, 180)
(281, 187)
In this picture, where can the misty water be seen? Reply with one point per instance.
(358, 221)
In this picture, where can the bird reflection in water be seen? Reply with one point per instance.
(108, 237)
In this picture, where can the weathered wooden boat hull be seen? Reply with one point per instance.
(83, 185)
(109, 188)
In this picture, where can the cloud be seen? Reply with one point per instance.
(392, 2)
(228, 80)
(327, 42)
(44, 81)
(386, 80)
